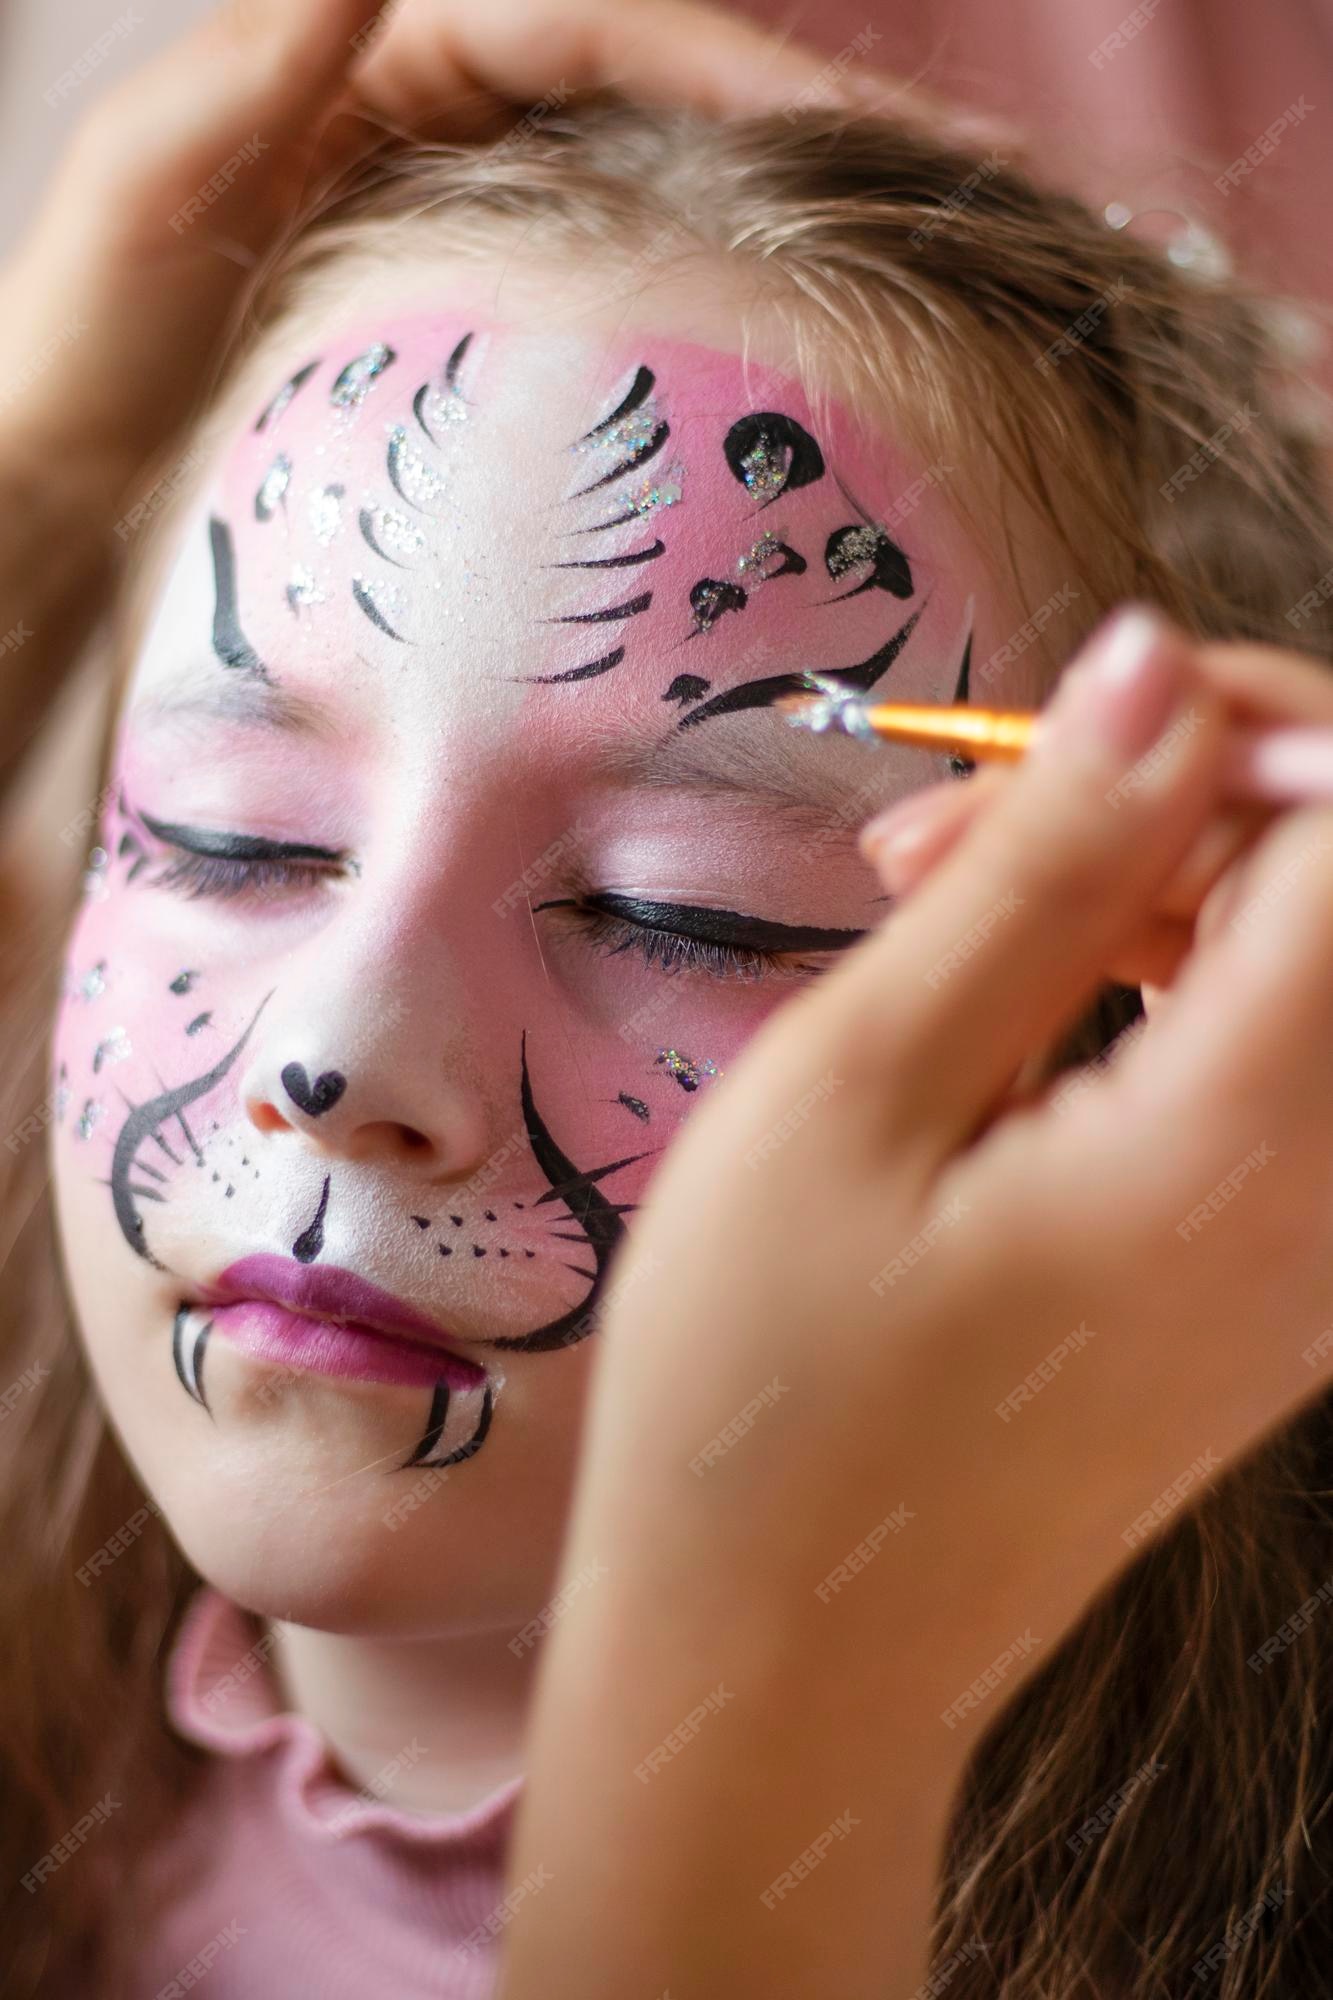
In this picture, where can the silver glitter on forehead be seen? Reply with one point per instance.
(629, 435)
(113, 1048)
(91, 986)
(395, 534)
(273, 486)
(653, 494)
(442, 406)
(764, 469)
(751, 564)
(359, 377)
(326, 512)
(415, 480)
(88, 1118)
(302, 588)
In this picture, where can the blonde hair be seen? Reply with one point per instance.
(1147, 1790)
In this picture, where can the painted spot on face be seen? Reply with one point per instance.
(90, 985)
(89, 1118)
(183, 982)
(867, 553)
(113, 1048)
(772, 454)
(326, 512)
(688, 1071)
(635, 1106)
(273, 488)
(354, 382)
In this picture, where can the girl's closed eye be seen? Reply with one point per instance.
(212, 862)
(725, 944)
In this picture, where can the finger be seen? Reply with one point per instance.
(1266, 684)
(1012, 937)
(450, 66)
(249, 76)
(904, 843)
(1247, 1031)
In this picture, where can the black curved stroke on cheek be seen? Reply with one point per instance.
(598, 1220)
(145, 1123)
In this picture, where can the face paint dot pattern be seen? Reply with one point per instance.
(686, 1070)
(273, 487)
(89, 1118)
(326, 514)
(113, 1048)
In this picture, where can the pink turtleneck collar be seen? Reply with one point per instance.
(282, 1879)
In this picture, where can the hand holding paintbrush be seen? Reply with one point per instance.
(1282, 709)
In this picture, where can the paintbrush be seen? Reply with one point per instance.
(1274, 765)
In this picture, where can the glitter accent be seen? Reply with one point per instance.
(857, 548)
(442, 406)
(359, 377)
(755, 558)
(183, 982)
(685, 1069)
(395, 534)
(88, 1118)
(273, 486)
(414, 479)
(765, 469)
(326, 515)
(664, 491)
(303, 588)
(114, 1048)
(630, 435)
(91, 986)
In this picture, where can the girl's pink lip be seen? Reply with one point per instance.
(339, 1348)
(336, 1322)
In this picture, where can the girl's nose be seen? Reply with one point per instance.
(369, 1112)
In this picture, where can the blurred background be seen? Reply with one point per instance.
(1148, 104)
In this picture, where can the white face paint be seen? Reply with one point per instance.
(454, 851)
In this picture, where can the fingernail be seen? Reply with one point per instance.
(1118, 693)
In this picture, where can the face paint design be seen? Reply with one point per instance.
(299, 1023)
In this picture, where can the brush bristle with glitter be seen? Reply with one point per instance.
(827, 706)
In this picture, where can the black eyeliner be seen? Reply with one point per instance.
(710, 926)
(235, 846)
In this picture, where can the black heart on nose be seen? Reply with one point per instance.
(317, 1097)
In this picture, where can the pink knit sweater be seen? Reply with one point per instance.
(292, 1885)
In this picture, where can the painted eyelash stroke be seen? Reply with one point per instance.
(685, 936)
(235, 846)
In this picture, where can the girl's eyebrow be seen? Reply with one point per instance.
(240, 700)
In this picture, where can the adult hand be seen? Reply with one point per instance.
(1260, 686)
(818, 1476)
(180, 177)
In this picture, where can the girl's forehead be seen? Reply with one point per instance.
(443, 513)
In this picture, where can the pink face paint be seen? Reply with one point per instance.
(422, 995)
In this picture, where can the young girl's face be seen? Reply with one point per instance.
(453, 849)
